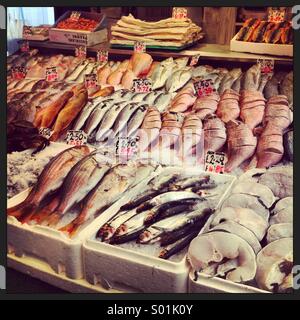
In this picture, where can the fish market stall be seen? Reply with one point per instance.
(173, 165)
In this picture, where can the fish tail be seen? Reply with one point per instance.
(71, 228)
(21, 209)
(52, 218)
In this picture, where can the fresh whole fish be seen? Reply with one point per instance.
(84, 114)
(252, 78)
(214, 133)
(82, 178)
(161, 75)
(178, 79)
(89, 68)
(228, 107)
(109, 119)
(167, 197)
(103, 73)
(50, 179)
(183, 100)
(286, 88)
(229, 79)
(75, 74)
(139, 96)
(113, 185)
(96, 116)
(137, 119)
(206, 105)
(162, 101)
(127, 79)
(151, 96)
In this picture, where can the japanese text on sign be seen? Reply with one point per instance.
(215, 161)
(142, 85)
(179, 13)
(139, 46)
(91, 80)
(75, 15)
(102, 56)
(45, 132)
(276, 15)
(24, 46)
(51, 74)
(18, 72)
(76, 137)
(204, 87)
(266, 65)
(80, 52)
(127, 146)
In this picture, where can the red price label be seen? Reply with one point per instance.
(91, 81)
(102, 56)
(75, 15)
(76, 137)
(139, 46)
(24, 47)
(215, 161)
(18, 73)
(266, 65)
(179, 13)
(276, 15)
(204, 87)
(142, 85)
(80, 52)
(51, 74)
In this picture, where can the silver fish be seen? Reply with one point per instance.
(84, 114)
(75, 74)
(89, 68)
(136, 119)
(178, 79)
(229, 79)
(150, 97)
(167, 197)
(109, 119)
(96, 116)
(124, 116)
(162, 101)
(161, 74)
(138, 97)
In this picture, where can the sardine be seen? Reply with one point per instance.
(136, 119)
(96, 116)
(117, 181)
(167, 197)
(50, 179)
(84, 176)
(109, 119)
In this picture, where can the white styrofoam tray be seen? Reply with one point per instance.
(208, 284)
(261, 48)
(129, 270)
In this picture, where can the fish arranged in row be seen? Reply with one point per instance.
(206, 105)
(214, 133)
(228, 107)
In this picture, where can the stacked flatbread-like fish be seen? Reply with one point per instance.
(167, 32)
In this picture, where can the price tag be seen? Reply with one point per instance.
(27, 32)
(24, 46)
(80, 52)
(139, 46)
(127, 146)
(142, 85)
(179, 13)
(215, 161)
(76, 137)
(51, 74)
(102, 56)
(45, 132)
(194, 60)
(266, 65)
(91, 81)
(204, 87)
(75, 15)
(276, 15)
(18, 72)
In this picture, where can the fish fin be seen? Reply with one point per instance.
(71, 228)
(53, 219)
(20, 210)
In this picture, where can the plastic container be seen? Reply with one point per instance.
(133, 271)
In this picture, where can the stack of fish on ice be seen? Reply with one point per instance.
(169, 32)
(250, 239)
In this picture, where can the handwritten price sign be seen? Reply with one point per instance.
(142, 85)
(204, 87)
(127, 146)
(75, 15)
(266, 65)
(276, 15)
(24, 46)
(76, 137)
(51, 74)
(194, 60)
(179, 13)
(91, 81)
(80, 52)
(102, 56)
(45, 132)
(139, 46)
(18, 72)
(215, 161)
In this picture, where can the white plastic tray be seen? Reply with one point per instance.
(128, 270)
